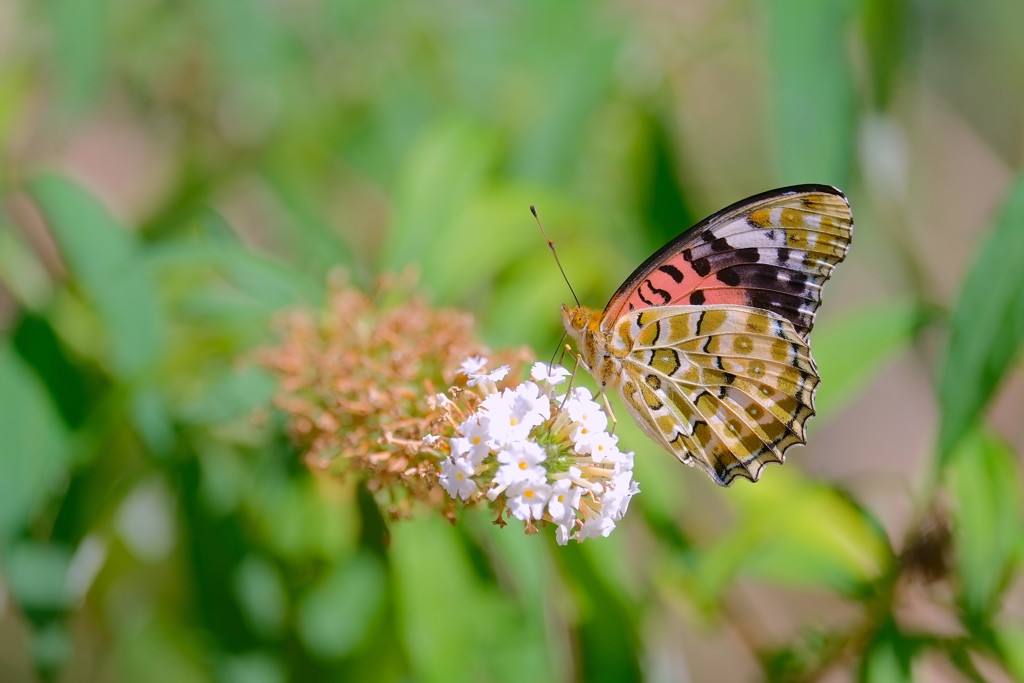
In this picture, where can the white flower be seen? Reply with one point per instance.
(495, 375)
(520, 464)
(551, 374)
(458, 446)
(457, 478)
(599, 525)
(476, 432)
(563, 530)
(615, 501)
(586, 412)
(472, 366)
(581, 394)
(511, 415)
(565, 499)
(578, 481)
(621, 461)
(528, 503)
(600, 445)
(529, 405)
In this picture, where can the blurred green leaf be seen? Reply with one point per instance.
(261, 595)
(888, 659)
(252, 667)
(103, 258)
(235, 394)
(37, 575)
(20, 270)
(987, 326)
(488, 233)
(813, 90)
(312, 239)
(577, 83)
(300, 517)
(71, 384)
(269, 282)
(248, 39)
(78, 37)
(984, 480)
(886, 25)
(525, 308)
(443, 605)
(35, 453)
(150, 415)
(1010, 638)
(666, 202)
(51, 647)
(16, 83)
(851, 352)
(799, 533)
(432, 577)
(607, 621)
(526, 575)
(442, 173)
(160, 649)
(337, 614)
(224, 475)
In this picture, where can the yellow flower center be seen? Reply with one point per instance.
(513, 421)
(522, 465)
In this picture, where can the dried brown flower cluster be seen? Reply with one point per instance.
(359, 380)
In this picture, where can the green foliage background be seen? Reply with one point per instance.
(175, 173)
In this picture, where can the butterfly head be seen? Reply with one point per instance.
(580, 322)
(575, 319)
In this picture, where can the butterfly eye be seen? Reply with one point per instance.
(579, 319)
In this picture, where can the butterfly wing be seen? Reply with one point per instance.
(772, 251)
(725, 387)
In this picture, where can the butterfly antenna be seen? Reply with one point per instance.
(551, 246)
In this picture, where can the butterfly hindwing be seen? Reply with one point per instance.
(772, 251)
(726, 387)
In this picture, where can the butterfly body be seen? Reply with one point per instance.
(707, 341)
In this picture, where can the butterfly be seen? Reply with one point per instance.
(707, 340)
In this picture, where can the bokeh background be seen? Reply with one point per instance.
(175, 174)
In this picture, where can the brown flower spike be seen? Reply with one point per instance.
(358, 381)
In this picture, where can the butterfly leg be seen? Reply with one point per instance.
(608, 407)
(572, 377)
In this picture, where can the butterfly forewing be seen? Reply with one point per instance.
(773, 251)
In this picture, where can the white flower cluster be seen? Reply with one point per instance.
(544, 457)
